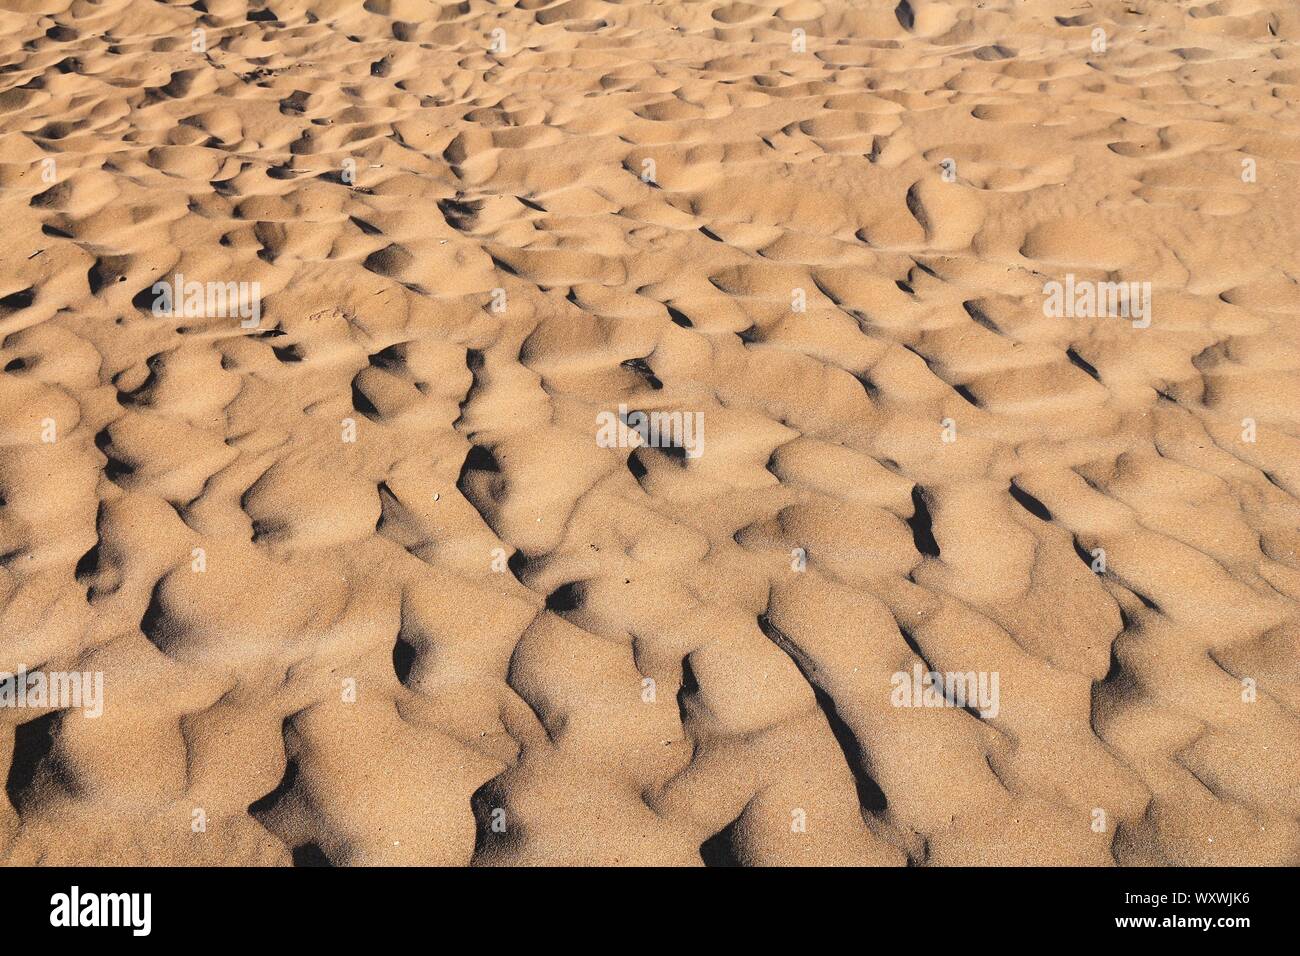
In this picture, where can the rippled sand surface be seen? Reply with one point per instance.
(363, 580)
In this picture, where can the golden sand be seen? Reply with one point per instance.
(367, 584)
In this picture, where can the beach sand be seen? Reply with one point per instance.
(377, 567)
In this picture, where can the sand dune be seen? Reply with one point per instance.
(374, 558)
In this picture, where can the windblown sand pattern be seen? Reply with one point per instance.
(365, 588)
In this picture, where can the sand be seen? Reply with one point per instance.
(377, 567)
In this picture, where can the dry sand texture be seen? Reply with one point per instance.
(362, 583)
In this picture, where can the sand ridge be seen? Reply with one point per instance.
(365, 587)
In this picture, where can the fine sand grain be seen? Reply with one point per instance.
(970, 329)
